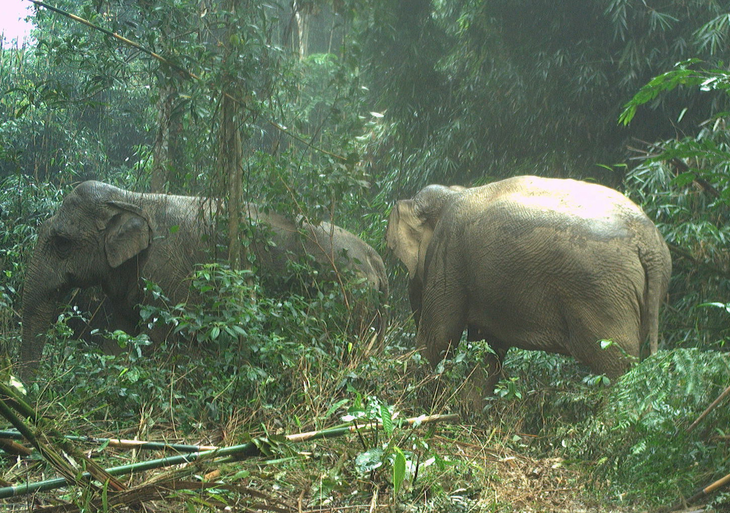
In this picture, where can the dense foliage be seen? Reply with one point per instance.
(491, 89)
(334, 110)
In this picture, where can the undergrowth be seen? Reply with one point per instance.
(237, 349)
(632, 439)
(247, 364)
(641, 437)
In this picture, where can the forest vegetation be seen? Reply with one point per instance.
(334, 110)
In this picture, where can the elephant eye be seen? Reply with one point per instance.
(63, 245)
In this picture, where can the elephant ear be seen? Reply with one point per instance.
(407, 233)
(128, 232)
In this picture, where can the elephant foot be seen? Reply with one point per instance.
(471, 399)
(479, 386)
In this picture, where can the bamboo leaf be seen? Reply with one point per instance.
(399, 471)
(387, 419)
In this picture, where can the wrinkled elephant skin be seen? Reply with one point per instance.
(105, 236)
(534, 263)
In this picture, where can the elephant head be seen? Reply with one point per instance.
(547, 264)
(105, 236)
(93, 234)
(410, 228)
(344, 251)
(342, 257)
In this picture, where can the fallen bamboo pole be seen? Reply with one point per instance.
(67, 461)
(423, 419)
(702, 493)
(144, 444)
(119, 442)
(709, 489)
(226, 454)
(11, 447)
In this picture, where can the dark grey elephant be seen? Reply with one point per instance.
(535, 263)
(103, 235)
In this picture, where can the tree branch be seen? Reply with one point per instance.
(181, 70)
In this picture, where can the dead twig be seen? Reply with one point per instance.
(121, 443)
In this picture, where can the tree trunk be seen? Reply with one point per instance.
(230, 162)
(302, 20)
(161, 153)
(230, 152)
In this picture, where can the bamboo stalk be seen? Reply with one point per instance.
(11, 447)
(119, 442)
(60, 462)
(709, 489)
(47, 451)
(143, 444)
(226, 454)
(704, 491)
(423, 419)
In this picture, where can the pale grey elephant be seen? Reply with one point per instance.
(103, 235)
(535, 263)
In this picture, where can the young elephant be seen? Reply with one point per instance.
(535, 263)
(103, 235)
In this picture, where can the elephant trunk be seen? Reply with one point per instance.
(43, 288)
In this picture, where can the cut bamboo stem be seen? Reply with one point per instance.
(222, 455)
(118, 442)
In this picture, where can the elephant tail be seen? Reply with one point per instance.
(657, 270)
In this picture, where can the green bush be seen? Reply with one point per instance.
(234, 347)
(639, 440)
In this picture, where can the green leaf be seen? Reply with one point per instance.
(369, 460)
(684, 179)
(726, 306)
(387, 420)
(681, 75)
(399, 471)
(332, 409)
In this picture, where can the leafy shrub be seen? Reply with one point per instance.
(235, 346)
(639, 438)
(697, 229)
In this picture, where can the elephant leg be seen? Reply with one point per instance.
(621, 327)
(492, 370)
(481, 382)
(485, 375)
(442, 323)
(440, 327)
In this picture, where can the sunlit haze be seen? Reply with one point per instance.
(12, 15)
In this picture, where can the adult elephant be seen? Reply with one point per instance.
(103, 235)
(535, 263)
